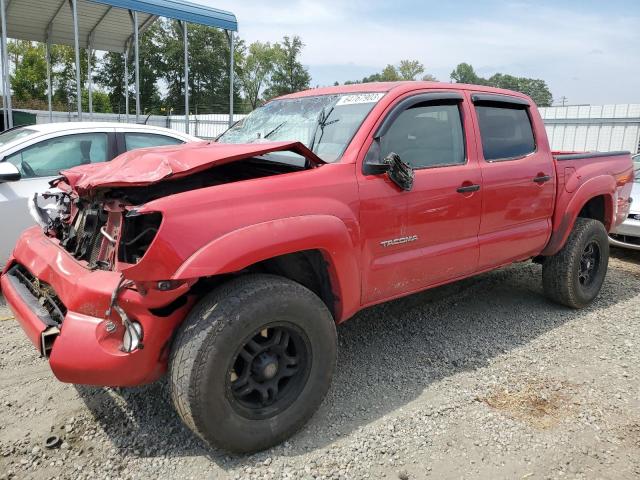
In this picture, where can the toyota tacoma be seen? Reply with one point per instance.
(229, 264)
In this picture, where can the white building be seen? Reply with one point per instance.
(583, 128)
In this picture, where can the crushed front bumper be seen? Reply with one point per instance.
(80, 341)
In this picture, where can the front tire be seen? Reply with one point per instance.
(252, 362)
(574, 275)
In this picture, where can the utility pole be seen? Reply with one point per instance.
(563, 99)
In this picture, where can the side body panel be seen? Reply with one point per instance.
(583, 179)
(201, 235)
(326, 233)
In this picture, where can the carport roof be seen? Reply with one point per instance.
(107, 20)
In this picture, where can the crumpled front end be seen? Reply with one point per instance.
(102, 233)
(74, 315)
(94, 286)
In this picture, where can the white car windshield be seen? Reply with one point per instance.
(324, 123)
(14, 134)
(636, 168)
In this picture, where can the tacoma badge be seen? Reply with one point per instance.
(398, 241)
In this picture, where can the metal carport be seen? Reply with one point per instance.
(110, 25)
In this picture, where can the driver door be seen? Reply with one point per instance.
(428, 235)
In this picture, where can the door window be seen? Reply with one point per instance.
(426, 136)
(143, 140)
(47, 158)
(506, 132)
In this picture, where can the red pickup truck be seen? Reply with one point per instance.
(230, 263)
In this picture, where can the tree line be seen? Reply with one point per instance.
(464, 73)
(262, 70)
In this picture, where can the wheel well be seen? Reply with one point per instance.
(595, 209)
(309, 268)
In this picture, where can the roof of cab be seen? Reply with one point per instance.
(402, 86)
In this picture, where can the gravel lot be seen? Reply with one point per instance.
(480, 379)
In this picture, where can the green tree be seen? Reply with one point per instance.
(110, 75)
(256, 71)
(208, 67)
(464, 73)
(29, 79)
(101, 101)
(537, 89)
(289, 74)
(64, 74)
(405, 70)
(150, 68)
(410, 69)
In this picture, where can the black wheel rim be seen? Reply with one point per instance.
(589, 264)
(268, 371)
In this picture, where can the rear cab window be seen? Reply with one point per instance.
(505, 130)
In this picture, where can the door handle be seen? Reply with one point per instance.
(542, 178)
(468, 188)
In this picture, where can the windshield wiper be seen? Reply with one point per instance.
(321, 123)
(274, 130)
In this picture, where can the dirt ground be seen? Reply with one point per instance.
(481, 379)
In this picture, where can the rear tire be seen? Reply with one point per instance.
(574, 275)
(252, 362)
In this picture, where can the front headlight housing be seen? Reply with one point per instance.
(138, 231)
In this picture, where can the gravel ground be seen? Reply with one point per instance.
(480, 379)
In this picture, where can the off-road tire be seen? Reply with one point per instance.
(560, 272)
(209, 338)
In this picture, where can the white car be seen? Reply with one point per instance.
(627, 235)
(31, 156)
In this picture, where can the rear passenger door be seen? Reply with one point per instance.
(517, 180)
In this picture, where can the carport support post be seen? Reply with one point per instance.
(231, 77)
(76, 43)
(126, 83)
(6, 83)
(185, 40)
(136, 52)
(49, 86)
(4, 91)
(89, 79)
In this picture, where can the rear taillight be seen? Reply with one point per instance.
(138, 231)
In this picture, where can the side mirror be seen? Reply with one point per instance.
(373, 164)
(398, 171)
(9, 172)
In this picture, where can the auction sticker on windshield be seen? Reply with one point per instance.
(359, 98)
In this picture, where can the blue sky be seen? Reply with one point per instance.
(588, 51)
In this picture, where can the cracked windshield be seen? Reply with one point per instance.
(324, 123)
